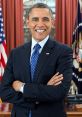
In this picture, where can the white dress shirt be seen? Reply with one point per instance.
(34, 42)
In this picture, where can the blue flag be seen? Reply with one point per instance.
(77, 50)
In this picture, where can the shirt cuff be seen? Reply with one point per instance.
(22, 88)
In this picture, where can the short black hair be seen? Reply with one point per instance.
(40, 5)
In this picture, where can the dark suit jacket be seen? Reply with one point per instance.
(42, 99)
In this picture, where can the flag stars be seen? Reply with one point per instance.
(2, 35)
(1, 19)
(1, 30)
(1, 24)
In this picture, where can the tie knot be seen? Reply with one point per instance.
(37, 47)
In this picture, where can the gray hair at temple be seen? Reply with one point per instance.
(40, 5)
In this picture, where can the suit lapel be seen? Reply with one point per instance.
(26, 65)
(44, 56)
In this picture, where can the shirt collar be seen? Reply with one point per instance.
(41, 43)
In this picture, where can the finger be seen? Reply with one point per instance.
(54, 78)
(57, 77)
(57, 80)
(58, 83)
(50, 83)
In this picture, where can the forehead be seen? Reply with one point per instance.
(37, 12)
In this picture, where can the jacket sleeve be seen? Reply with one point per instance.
(7, 93)
(41, 92)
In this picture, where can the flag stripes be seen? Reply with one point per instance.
(3, 49)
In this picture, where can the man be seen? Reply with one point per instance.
(38, 90)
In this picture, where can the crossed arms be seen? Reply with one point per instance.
(55, 89)
(55, 80)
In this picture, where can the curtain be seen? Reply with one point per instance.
(65, 20)
(13, 20)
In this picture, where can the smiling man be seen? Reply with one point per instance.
(40, 21)
(38, 74)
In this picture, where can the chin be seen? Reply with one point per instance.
(39, 39)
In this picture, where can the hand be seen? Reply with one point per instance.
(17, 85)
(56, 79)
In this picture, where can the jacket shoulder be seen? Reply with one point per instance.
(60, 46)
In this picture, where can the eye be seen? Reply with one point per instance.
(45, 19)
(35, 19)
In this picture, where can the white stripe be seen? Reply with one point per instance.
(0, 9)
(2, 70)
(3, 53)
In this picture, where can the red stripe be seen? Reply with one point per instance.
(0, 78)
(5, 46)
(3, 61)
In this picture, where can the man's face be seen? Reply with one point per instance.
(40, 23)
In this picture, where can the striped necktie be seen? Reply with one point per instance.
(34, 59)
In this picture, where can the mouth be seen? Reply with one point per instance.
(40, 30)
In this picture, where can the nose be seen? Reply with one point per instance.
(40, 23)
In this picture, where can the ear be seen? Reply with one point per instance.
(53, 23)
(27, 22)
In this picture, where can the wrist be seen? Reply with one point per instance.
(22, 87)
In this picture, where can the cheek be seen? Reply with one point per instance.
(31, 25)
(49, 27)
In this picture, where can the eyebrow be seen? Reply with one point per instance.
(37, 18)
(46, 18)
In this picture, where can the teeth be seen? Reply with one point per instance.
(40, 30)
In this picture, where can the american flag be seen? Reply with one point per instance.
(3, 58)
(3, 53)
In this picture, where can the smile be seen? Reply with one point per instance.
(40, 30)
